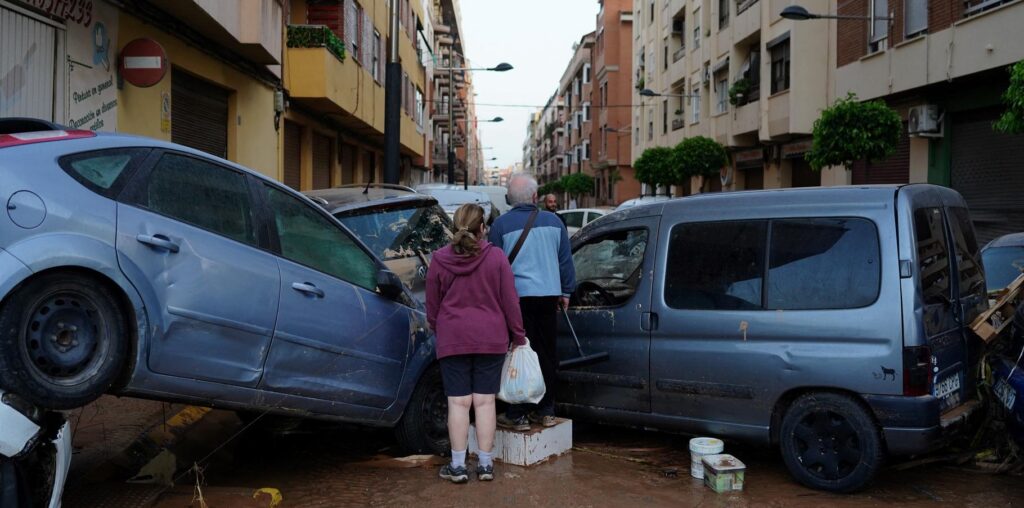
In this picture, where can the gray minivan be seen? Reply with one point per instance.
(831, 322)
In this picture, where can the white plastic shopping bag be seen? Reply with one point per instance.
(522, 381)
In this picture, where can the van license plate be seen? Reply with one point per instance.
(1005, 394)
(947, 387)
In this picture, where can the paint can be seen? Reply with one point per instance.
(699, 447)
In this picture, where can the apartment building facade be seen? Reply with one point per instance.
(254, 81)
(943, 66)
(584, 126)
(611, 99)
(692, 53)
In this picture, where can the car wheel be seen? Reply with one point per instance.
(63, 341)
(830, 442)
(424, 426)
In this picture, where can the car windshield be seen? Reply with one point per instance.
(1002, 265)
(404, 238)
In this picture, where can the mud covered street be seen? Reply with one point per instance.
(335, 465)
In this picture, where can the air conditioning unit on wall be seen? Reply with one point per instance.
(925, 121)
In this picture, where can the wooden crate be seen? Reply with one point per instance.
(992, 322)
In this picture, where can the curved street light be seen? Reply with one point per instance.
(501, 67)
(799, 13)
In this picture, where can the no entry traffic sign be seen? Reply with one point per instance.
(143, 62)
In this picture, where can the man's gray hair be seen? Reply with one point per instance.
(521, 188)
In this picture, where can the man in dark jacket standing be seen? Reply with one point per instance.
(544, 277)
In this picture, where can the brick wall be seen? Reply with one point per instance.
(942, 14)
(852, 35)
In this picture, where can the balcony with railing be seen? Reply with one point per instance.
(251, 28)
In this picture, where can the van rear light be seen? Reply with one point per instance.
(917, 371)
(24, 138)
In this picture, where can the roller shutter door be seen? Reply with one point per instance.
(27, 66)
(987, 168)
(199, 114)
(292, 155)
(895, 169)
(321, 161)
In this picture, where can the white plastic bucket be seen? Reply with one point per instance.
(699, 447)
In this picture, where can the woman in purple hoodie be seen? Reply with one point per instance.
(473, 308)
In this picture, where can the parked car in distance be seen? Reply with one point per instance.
(1004, 260)
(576, 218)
(451, 199)
(497, 193)
(856, 350)
(642, 200)
(400, 226)
(150, 269)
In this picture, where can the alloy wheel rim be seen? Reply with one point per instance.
(827, 445)
(64, 338)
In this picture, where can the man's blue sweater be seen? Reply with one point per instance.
(544, 264)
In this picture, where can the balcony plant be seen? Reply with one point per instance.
(1012, 121)
(739, 92)
(316, 36)
(850, 130)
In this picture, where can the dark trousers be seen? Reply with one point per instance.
(540, 319)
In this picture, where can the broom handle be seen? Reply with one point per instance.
(573, 330)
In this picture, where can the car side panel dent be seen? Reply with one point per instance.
(423, 356)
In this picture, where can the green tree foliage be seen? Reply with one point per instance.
(578, 184)
(699, 156)
(850, 130)
(656, 166)
(554, 187)
(1012, 121)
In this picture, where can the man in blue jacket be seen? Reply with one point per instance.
(545, 277)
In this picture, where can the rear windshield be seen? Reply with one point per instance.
(456, 197)
(399, 233)
(1002, 265)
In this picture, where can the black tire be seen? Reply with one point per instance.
(424, 425)
(63, 341)
(829, 441)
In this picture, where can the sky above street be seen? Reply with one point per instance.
(536, 37)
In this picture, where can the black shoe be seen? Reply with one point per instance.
(542, 420)
(454, 474)
(484, 473)
(520, 424)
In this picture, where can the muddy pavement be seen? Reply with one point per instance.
(336, 465)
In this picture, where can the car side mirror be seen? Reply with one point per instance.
(389, 284)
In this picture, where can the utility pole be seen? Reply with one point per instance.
(392, 103)
(451, 122)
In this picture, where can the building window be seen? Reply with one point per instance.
(879, 31)
(652, 11)
(915, 17)
(722, 91)
(780, 66)
(751, 71)
(586, 73)
(723, 13)
(354, 28)
(419, 107)
(664, 116)
(695, 105)
(664, 59)
(586, 111)
(586, 150)
(650, 126)
(696, 29)
(375, 64)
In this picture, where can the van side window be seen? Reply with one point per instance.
(968, 258)
(932, 256)
(716, 265)
(608, 268)
(823, 263)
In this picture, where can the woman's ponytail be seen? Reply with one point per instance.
(468, 219)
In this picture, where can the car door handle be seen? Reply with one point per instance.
(309, 289)
(649, 321)
(159, 241)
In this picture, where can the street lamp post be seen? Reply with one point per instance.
(502, 67)
(392, 103)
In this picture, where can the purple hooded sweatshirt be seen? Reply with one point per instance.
(472, 304)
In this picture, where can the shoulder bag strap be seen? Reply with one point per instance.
(522, 237)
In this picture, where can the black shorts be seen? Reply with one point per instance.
(467, 374)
